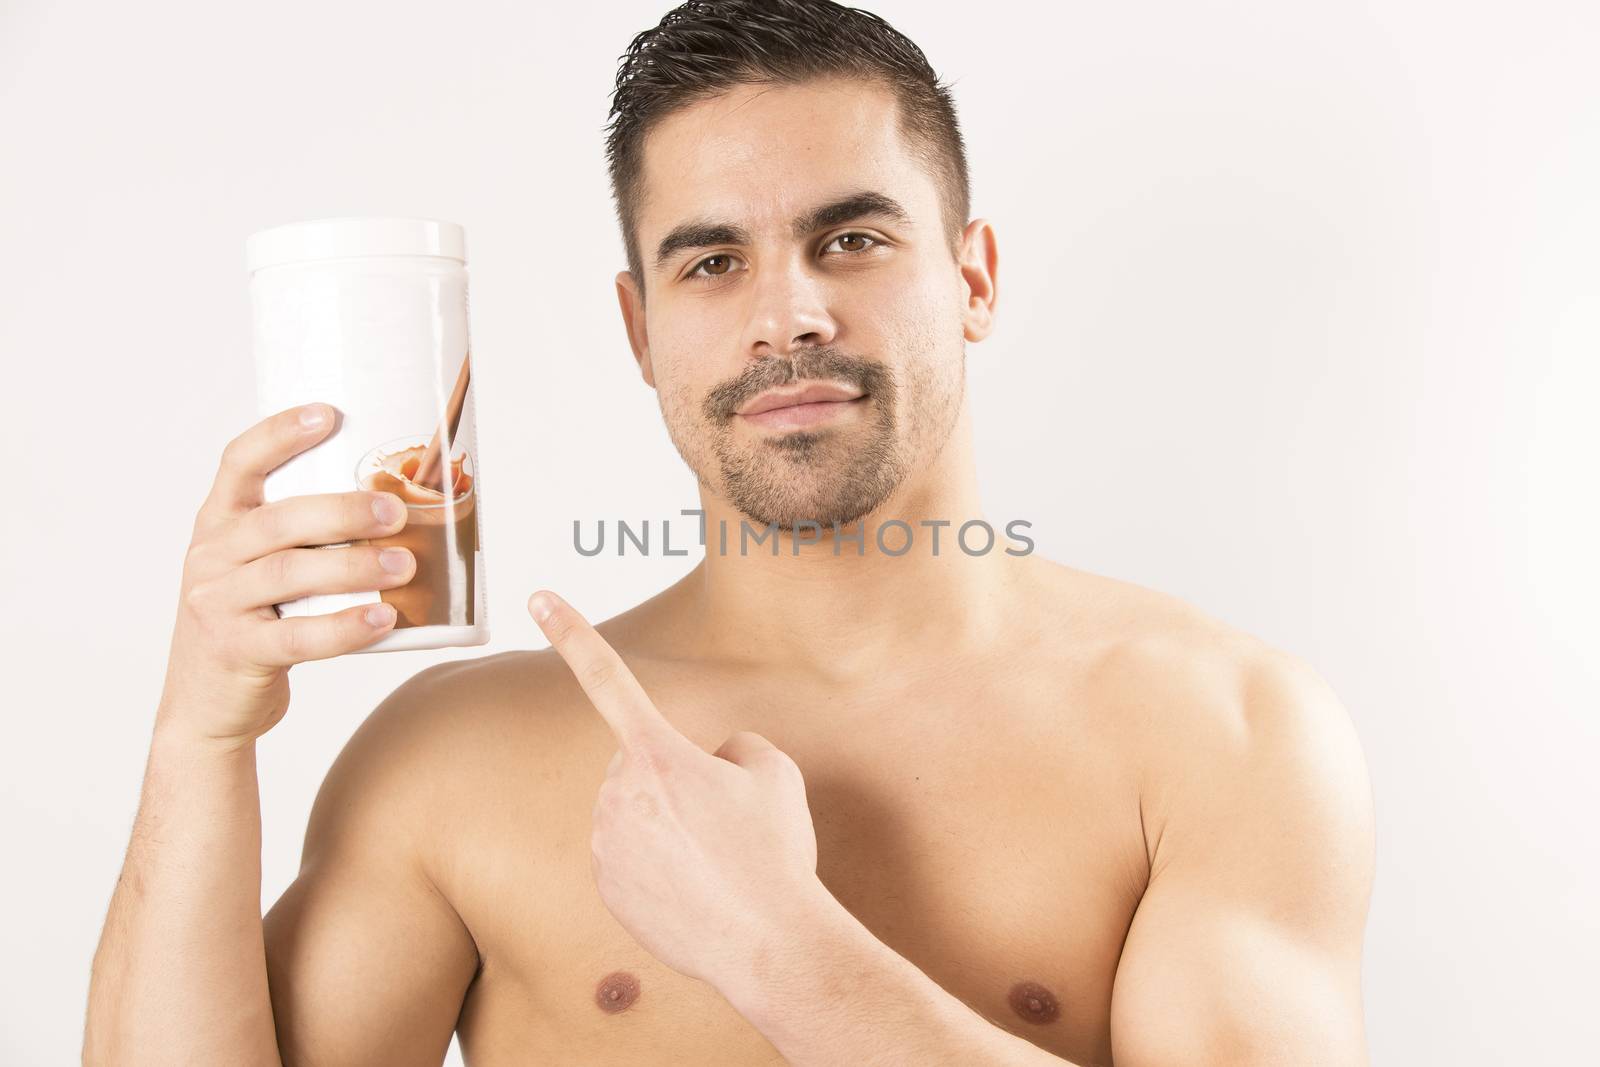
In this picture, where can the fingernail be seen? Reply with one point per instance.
(388, 509)
(541, 608)
(313, 417)
(394, 560)
(380, 615)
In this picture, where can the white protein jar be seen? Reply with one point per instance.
(370, 315)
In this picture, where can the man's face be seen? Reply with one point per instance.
(780, 298)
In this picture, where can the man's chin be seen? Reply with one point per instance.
(822, 518)
(771, 491)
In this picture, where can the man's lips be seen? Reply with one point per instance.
(804, 415)
(814, 393)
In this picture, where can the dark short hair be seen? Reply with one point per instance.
(705, 47)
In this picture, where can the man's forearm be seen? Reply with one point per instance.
(829, 992)
(180, 975)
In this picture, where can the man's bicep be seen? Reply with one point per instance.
(368, 962)
(1202, 984)
(1246, 947)
(363, 972)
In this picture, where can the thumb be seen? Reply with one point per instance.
(745, 748)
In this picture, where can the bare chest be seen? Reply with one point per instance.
(996, 848)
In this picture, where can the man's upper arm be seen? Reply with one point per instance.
(368, 962)
(1246, 947)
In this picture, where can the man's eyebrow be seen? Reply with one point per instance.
(702, 234)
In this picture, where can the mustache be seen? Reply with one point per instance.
(821, 363)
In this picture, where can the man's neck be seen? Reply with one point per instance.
(844, 608)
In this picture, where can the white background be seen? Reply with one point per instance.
(1299, 320)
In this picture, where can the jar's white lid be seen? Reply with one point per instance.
(342, 238)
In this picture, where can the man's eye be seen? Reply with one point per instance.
(853, 237)
(710, 274)
(716, 266)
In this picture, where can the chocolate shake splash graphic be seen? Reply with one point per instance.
(430, 469)
(441, 529)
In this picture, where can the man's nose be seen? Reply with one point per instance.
(788, 309)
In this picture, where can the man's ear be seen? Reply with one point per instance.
(980, 261)
(632, 302)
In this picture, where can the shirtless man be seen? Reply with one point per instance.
(828, 806)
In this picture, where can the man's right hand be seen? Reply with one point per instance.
(227, 674)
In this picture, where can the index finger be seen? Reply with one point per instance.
(264, 447)
(611, 687)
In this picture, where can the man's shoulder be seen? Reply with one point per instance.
(1218, 719)
(468, 747)
(1123, 621)
(458, 707)
(1188, 680)
(517, 710)
(454, 730)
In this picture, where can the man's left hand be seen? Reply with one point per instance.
(707, 859)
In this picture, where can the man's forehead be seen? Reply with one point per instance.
(764, 155)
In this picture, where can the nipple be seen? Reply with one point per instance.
(1034, 1002)
(616, 992)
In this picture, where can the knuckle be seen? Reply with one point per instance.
(202, 523)
(764, 753)
(233, 452)
(197, 559)
(650, 758)
(197, 598)
(359, 513)
(597, 674)
(293, 639)
(280, 569)
(558, 628)
(354, 630)
(269, 520)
